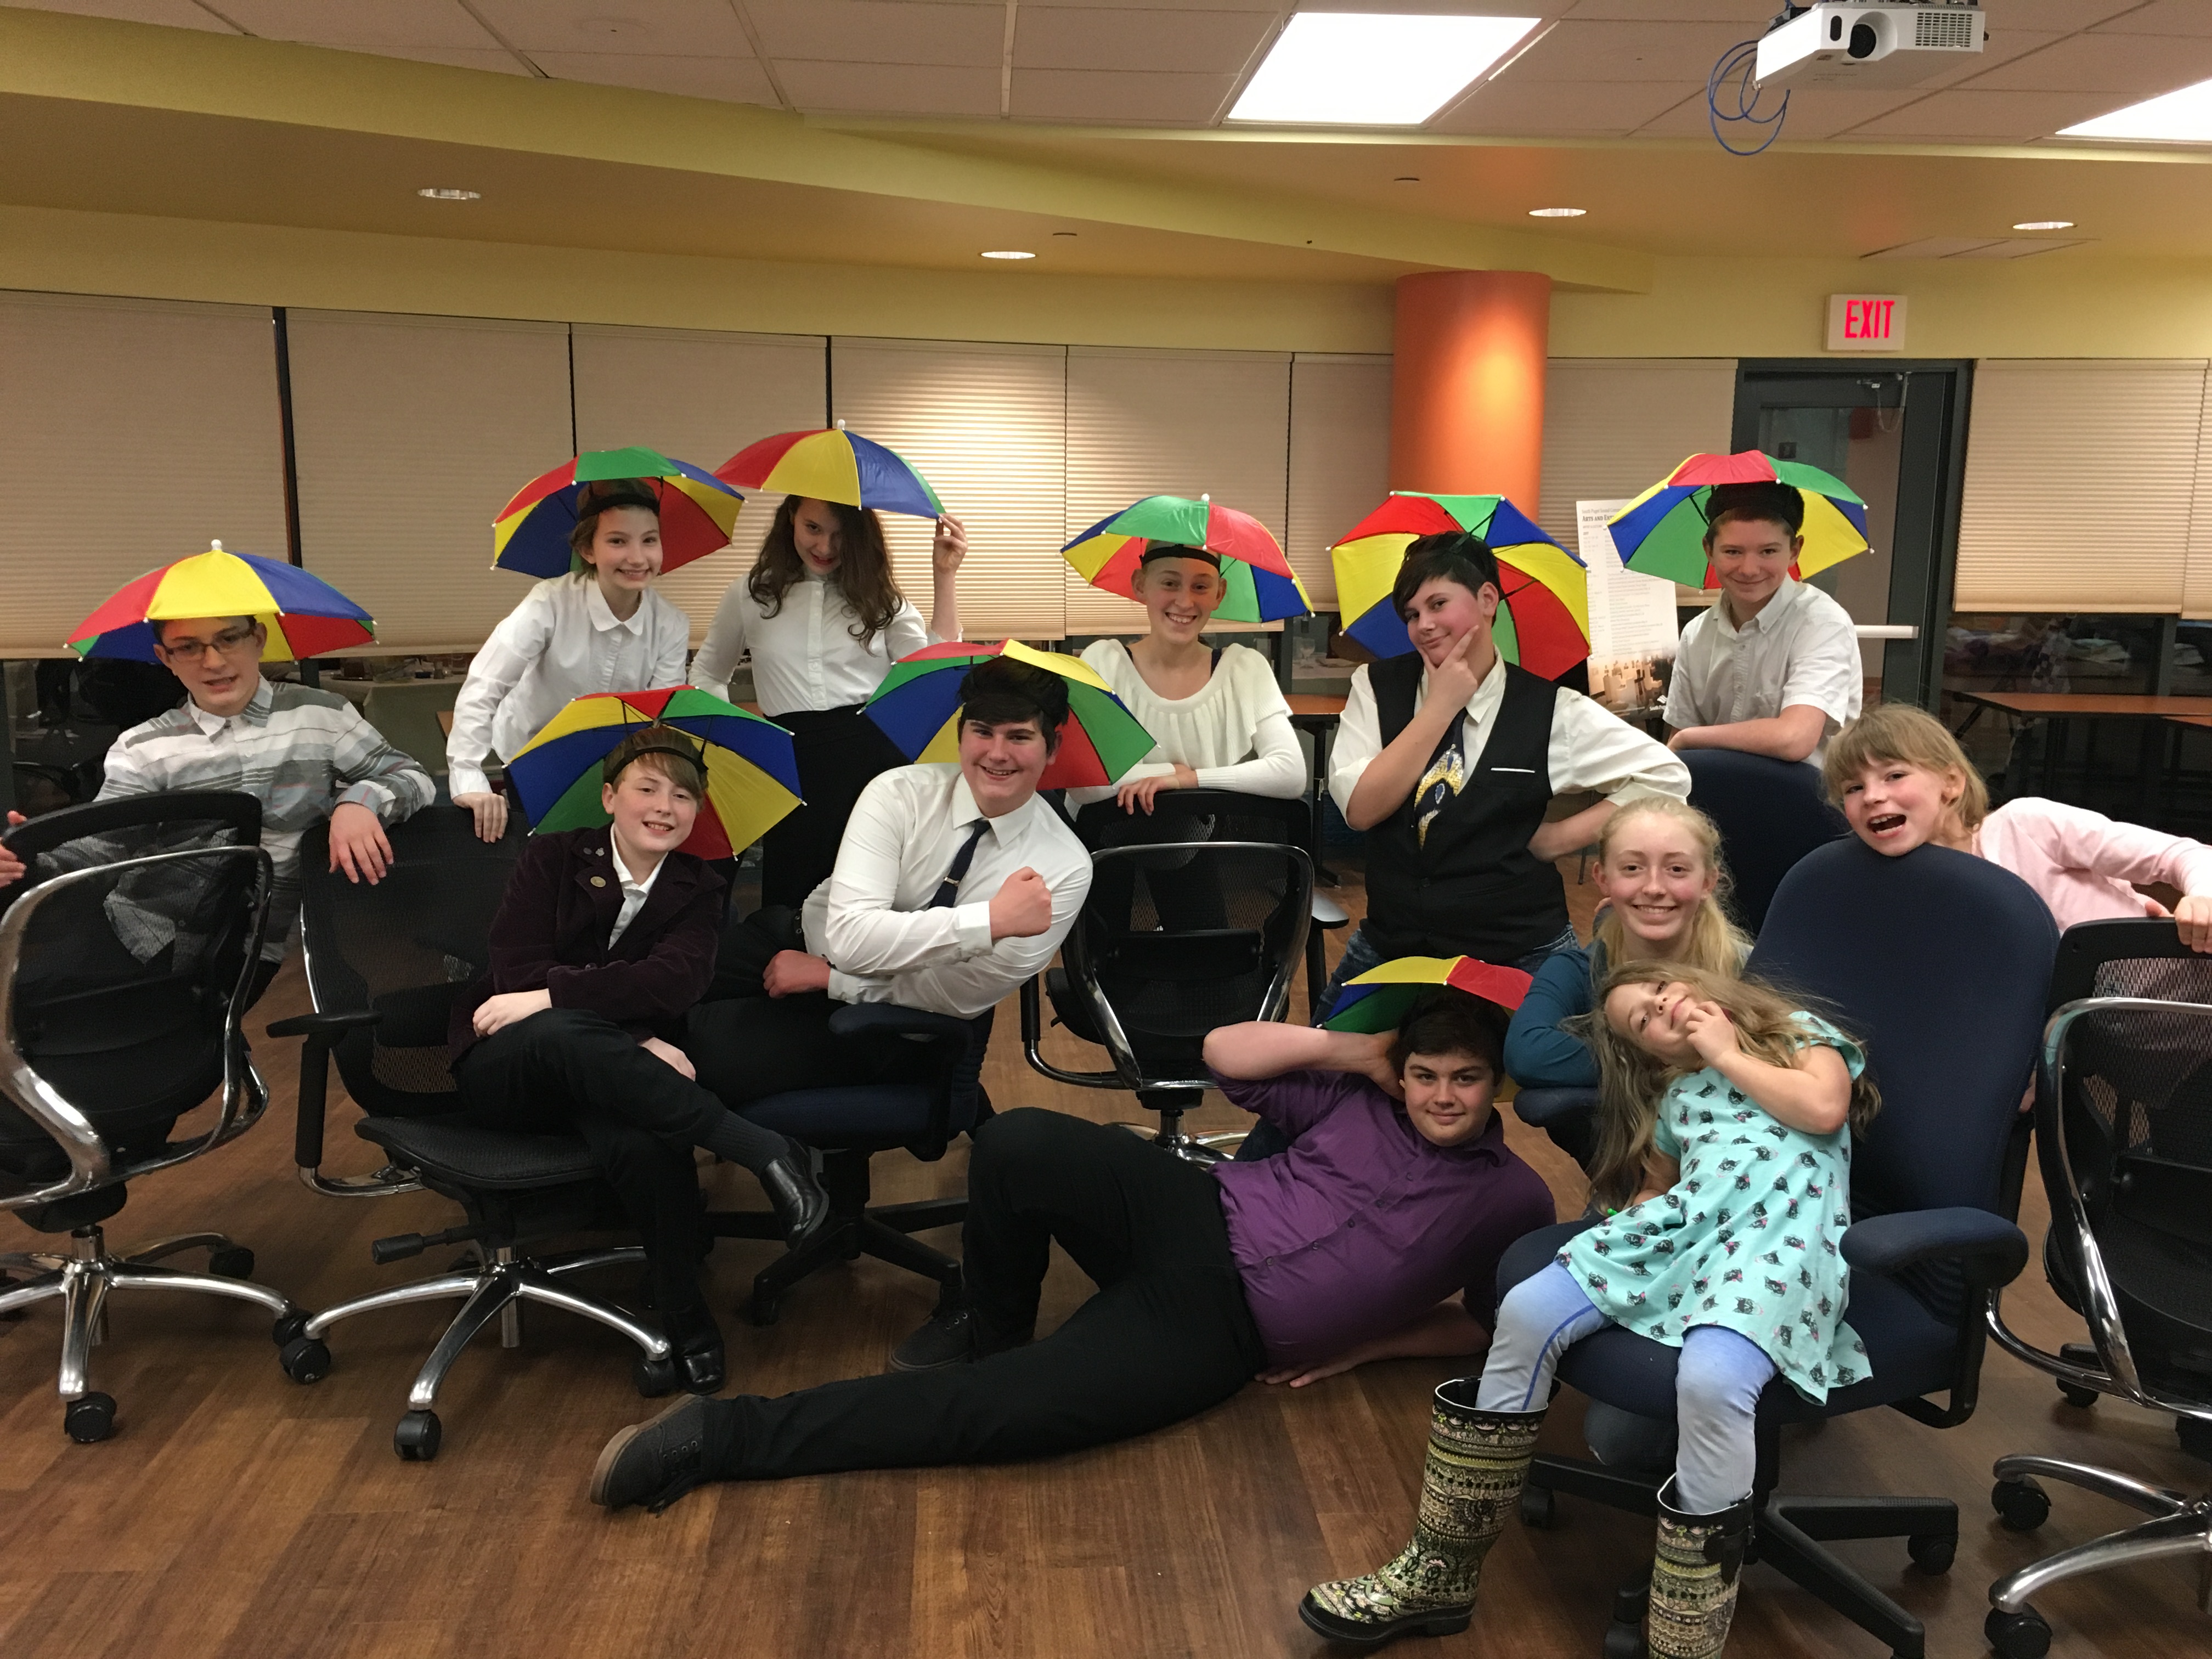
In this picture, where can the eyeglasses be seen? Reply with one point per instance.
(228, 643)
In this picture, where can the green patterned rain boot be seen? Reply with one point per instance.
(1477, 1462)
(1693, 1579)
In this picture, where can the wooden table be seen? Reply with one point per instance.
(2061, 708)
(1317, 713)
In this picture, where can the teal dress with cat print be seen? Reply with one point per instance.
(1748, 1238)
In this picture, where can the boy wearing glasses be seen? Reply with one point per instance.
(305, 755)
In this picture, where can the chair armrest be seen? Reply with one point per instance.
(1989, 1249)
(854, 1019)
(1542, 1108)
(325, 1024)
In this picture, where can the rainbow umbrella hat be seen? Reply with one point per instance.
(1379, 999)
(304, 615)
(918, 706)
(1662, 531)
(752, 775)
(1543, 618)
(833, 464)
(1262, 586)
(698, 511)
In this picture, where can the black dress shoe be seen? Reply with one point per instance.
(953, 1338)
(701, 1359)
(800, 1205)
(657, 1462)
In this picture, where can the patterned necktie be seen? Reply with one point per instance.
(1446, 776)
(948, 890)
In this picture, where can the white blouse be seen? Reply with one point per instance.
(562, 642)
(1234, 731)
(805, 657)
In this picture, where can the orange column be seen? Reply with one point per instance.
(1467, 395)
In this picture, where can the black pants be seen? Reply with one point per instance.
(564, 1069)
(1167, 1335)
(839, 750)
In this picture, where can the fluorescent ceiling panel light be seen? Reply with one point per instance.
(1008, 253)
(2176, 117)
(1369, 69)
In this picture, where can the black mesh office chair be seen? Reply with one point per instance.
(127, 958)
(383, 964)
(1175, 938)
(2123, 1130)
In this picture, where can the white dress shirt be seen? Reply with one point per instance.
(1591, 748)
(805, 657)
(1799, 650)
(1234, 731)
(634, 891)
(869, 920)
(561, 642)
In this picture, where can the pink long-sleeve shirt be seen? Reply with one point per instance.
(2081, 863)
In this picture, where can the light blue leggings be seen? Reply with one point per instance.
(1716, 1384)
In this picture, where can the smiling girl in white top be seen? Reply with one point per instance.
(599, 628)
(1218, 718)
(824, 622)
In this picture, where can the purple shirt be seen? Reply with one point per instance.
(1364, 1225)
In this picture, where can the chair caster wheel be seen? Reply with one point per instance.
(2022, 1635)
(763, 1309)
(2022, 1505)
(306, 1359)
(1624, 1636)
(236, 1262)
(655, 1377)
(1933, 1552)
(2083, 1398)
(1624, 1642)
(417, 1437)
(90, 1418)
(2194, 1436)
(291, 1325)
(1536, 1506)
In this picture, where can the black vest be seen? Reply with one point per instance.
(1475, 889)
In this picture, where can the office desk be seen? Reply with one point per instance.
(2061, 708)
(1317, 714)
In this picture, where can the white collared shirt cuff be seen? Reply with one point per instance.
(971, 928)
(855, 988)
(467, 780)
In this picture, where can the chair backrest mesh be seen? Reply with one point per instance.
(405, 947)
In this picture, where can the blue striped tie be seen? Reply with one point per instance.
(948, 890)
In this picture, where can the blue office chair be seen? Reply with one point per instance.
(1770, 813)
(1941, 961)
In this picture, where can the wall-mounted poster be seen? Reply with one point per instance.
(1633, 634)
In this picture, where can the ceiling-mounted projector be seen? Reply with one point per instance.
(1868, 44)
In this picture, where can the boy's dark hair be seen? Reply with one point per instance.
(1773, 503)
(1002, 689)
(602, 496)
(1452, 556)
(1448, 1021)
(662, 748)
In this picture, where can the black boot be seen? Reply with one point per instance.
(800, 1205)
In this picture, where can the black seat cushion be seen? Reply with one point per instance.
(496, 1160)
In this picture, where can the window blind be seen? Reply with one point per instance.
(174, 404)
(1170, 423)
(411, 434)
(985, 424)
(1339, 458)
(2078, 486)
(1615, 426)
(2196, 571)
(700, 396)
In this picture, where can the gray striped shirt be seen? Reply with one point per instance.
(299, 751)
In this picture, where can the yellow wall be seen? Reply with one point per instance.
(2062, 304)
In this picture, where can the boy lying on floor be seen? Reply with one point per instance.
(1397, 1192)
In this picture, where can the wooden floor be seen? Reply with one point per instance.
(237, 1514)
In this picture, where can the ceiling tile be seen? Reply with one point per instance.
(2061, 16)
(1126, 38)
(1966, 116)
(498, 60)
(354, 23)
(2131, 65)
(1817, 115)
(733, 80)
(1754, 12)
(1932, 247)
(1188, 101)
(660, 28)
(883, 32)
(1537, 108)
(2021, 247)
(176, 14)
(2162, 17)
(1684, 53)
(889, 89)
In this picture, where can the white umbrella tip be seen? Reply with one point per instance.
(841, 424)
(215, 547)
(1207, 499)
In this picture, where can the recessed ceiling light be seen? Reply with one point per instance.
(1557, 213)
(1357, 69)
(2182, 117)
(1008, 253)
(2045, 224)
(437, 194)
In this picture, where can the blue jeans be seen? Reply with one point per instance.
(1716, 1384)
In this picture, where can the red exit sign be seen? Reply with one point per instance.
(1866, 322)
